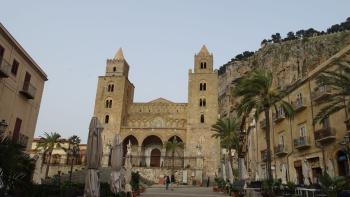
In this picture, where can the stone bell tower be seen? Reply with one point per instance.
(203, 111)
(113, 97)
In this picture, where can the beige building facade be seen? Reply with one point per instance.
(149, 126)
(301, 150)
(21, 87)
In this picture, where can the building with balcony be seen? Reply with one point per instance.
(297, 141)
(21, 87)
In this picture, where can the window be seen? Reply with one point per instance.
(2, 52)
(17, 129)
(203, 65)
(26, 83)
(202, 86)
(108, 104)
(299, 98)
(106, 119)
(302, 130)
(281, 140)
(110, 88)
(114, 69)
(14, 68)
(202, 118)
(325, 123)
(202, 102)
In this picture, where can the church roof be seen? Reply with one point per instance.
(204, 50)
(119, 55)
(160, 100)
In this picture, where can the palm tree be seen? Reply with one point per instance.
(258, 96)
(73, 152)
(339, 81)
(173, 145)
(47, 144)
(226, 131)
(16, 167)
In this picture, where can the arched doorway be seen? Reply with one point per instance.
(134, 149)
(149, 144)
(343, 165)
(155, 158)
(174, 152)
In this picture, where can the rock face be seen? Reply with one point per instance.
(290, 61)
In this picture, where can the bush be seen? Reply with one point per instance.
(135, 181)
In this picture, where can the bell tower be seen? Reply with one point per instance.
(203, 110)
(114, 96)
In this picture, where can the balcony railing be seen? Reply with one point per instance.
(278, 117)
(5, 68)
(23, 140)
(324, 135)
(263, 124)
(320, 93)
(281, 150)
(28, 90)
(299, 104)
(302, 142)
(264, 155)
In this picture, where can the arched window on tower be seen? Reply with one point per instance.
(114, 69)
(106, 119)
(108, 104)
(203, 65)
(202, 102)
(110, 88)
(203, 86)
(202, 118)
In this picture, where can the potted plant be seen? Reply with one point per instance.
(135, 183)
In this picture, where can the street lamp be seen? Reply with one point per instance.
(3, 126)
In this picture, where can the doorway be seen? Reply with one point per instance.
(155, 158)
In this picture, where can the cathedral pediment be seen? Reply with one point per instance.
(161, 100)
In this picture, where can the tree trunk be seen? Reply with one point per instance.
(268, 144)
(48, 165)
(71, 170)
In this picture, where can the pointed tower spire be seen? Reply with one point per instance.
(204, 50)
(119, 55)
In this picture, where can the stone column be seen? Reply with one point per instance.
(162, 156)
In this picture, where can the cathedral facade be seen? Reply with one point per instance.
(150, 126)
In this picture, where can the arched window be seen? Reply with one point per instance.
(200, 102)
(110, 88)
(203, 65)
(106, 119)
(202, 118)
(204, 103)
(108, 104)
(114, 69)
(203, 86)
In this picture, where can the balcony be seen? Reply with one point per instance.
(28, 90)
(302, 142)
(23, 140)
(278, 117)
(263, 124)
(324, 135)
(281, 150)
(264, 155)
(320, 93)
(5, 68)
(299, 104)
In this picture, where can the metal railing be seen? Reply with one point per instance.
(299, 104)
(302, 142)
(320, 92)
(276, 117)
(28, 90)
(281, 149)
(324, 133)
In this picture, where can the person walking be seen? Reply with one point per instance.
(167, 182)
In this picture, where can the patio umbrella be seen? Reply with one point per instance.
(330, 168)
(128, 168)
(306, 173)
(93, 159)
(229, 172)
(284, 174)
(116, 180)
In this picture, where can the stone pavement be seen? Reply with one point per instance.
(186, 191)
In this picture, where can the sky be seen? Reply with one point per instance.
(71, 41)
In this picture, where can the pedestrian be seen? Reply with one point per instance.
(167, 182)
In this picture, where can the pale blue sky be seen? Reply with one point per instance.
(71, 40)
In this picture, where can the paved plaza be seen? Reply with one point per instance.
(159, 190)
